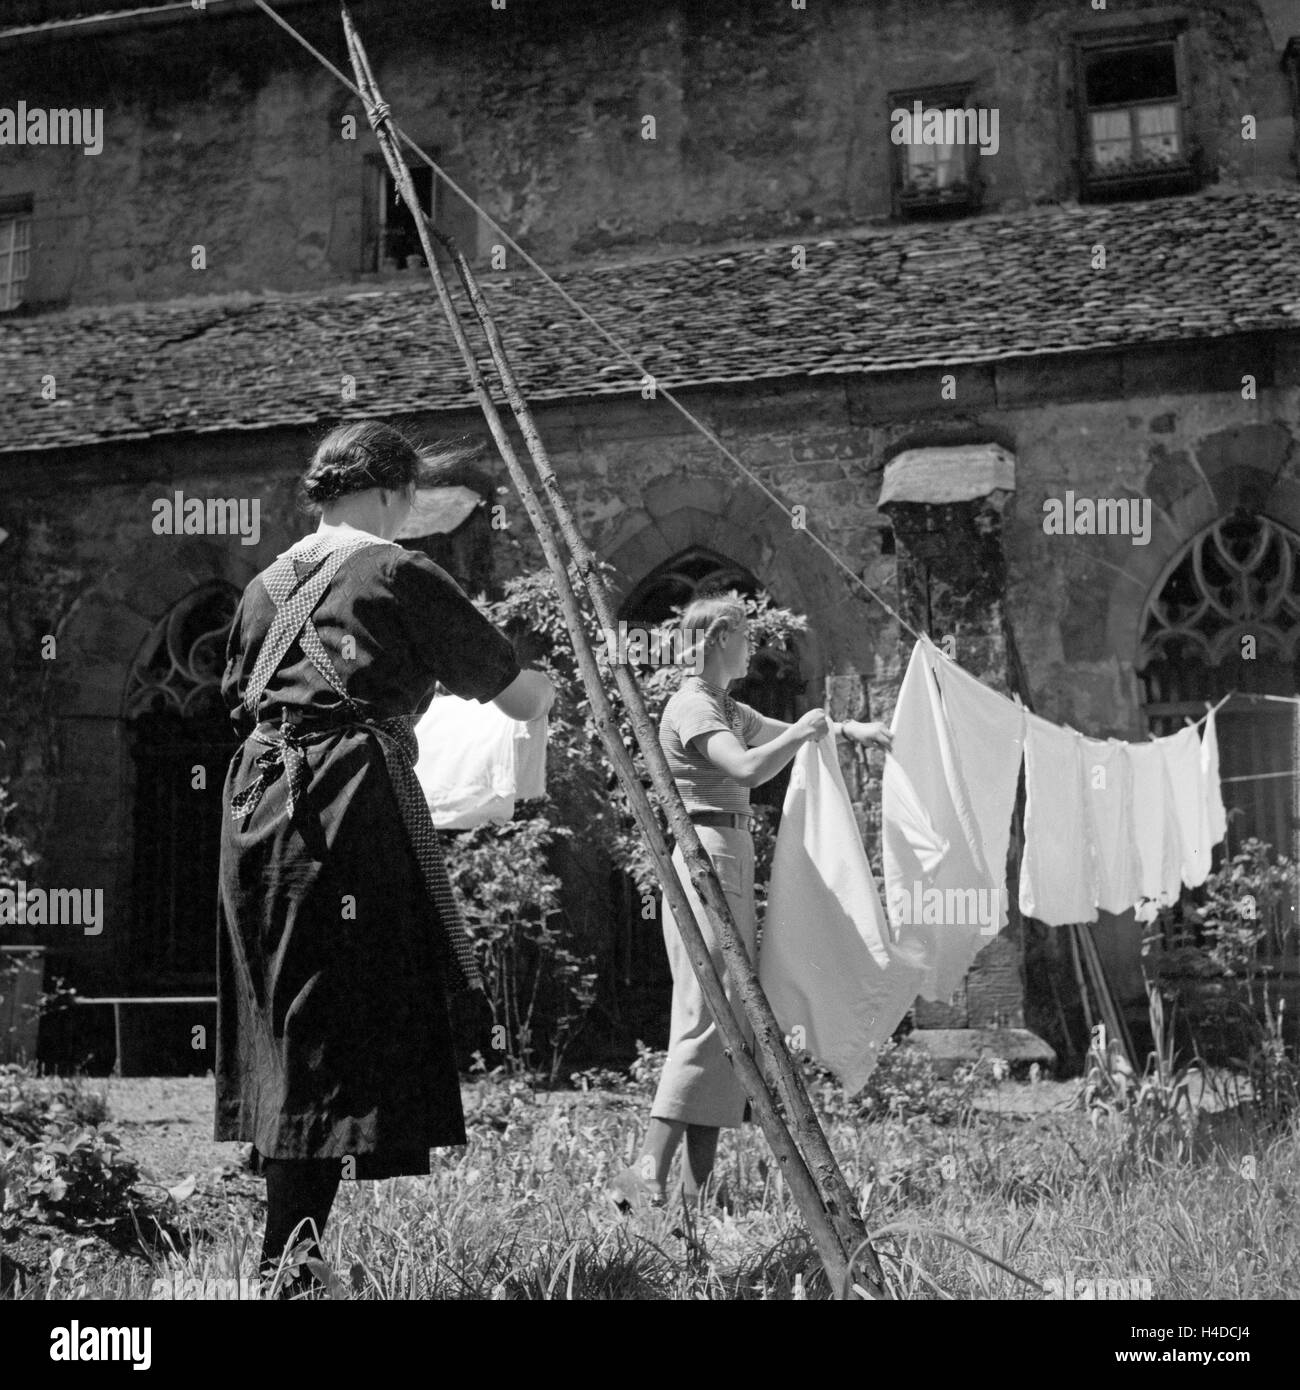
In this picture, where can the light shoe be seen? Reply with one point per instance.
(629, 1189)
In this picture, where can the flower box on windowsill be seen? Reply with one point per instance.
(957, 198)
(1153, 176)
(952, 193)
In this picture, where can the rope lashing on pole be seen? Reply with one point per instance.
(816, 1182)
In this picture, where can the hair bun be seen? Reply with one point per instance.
(357, 457)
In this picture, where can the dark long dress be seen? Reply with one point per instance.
(333, 1037)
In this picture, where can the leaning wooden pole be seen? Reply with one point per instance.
(834, 1189)
(836, 1195)
(839, 1242)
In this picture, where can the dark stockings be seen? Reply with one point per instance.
(297, 1190)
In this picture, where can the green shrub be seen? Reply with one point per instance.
(17, 860)
(83, 1176)
(905, 1085)
(55, 1159)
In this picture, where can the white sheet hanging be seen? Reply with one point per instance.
(1155, 829)
(990, 733)
(827, 963)
(1108, 796)
(910, 824)
(475, 762)
(1215, 815)
(1187, 781)
(943, 915)
(1056, 871)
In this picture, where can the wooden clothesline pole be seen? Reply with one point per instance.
(790, 1086)
(818, 1186)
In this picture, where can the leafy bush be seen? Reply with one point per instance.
(1220, 962)
(904, 1085)
(1248, 916)
(28, 1102)
(17, 860)
(83, 1176)
(54, 1157)
(511, 906)
(639, 1081)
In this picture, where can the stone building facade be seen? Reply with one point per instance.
(1111, 331)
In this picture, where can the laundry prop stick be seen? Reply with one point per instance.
(818, 1186)
(790, 1087)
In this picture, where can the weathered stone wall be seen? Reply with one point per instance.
(81, 560)
(770, 121)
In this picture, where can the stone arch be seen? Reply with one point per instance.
(1235, 578)
(105, 630)
(688, 574)
(178, 670)
(795, 571)
(1251, 467)
(91, 835)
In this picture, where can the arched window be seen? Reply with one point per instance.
(178, 671)
(693, 574)
(178, 724)
(774, 685)
(1226, 617)
(1237, 582)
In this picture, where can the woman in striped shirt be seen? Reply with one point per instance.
(717, 749)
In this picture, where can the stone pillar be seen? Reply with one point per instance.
(945, 506)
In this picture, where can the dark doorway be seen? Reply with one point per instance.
(181, 740)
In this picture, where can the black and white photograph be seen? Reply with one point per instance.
(649, 653)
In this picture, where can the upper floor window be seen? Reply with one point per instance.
(935, 139)
(1133, 117)
(15, 250)
(391, 241)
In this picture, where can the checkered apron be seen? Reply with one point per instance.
(295, 600)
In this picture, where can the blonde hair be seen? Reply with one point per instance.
(715, 617)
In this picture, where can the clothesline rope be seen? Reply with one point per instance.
(623, 352)
(1261, 776)
(1194, 723)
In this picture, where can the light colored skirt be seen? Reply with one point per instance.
(698, 1085)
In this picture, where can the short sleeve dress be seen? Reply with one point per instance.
(333, 1037)
(698, 1084)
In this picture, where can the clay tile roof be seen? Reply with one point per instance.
(974, 291)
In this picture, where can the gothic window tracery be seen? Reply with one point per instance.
(1239, 578)
(178, 671)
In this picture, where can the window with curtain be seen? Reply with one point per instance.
(15, 257)
(933, 178)
(1132, 117)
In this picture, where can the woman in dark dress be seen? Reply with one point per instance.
(339, 936)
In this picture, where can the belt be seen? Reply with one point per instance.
(731, 820)
(285, 744)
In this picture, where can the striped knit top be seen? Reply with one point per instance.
(696, 709)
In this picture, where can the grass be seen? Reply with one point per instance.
(520, 1213)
